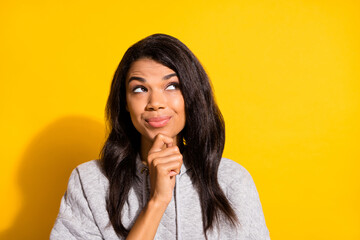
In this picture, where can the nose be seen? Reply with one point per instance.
(156, 101)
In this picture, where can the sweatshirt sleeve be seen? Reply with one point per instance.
(244, 197)
(75, 219)
(246, 201)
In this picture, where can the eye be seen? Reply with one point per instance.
(172, 86)
(139, 89)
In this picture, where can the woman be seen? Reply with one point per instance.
(161, 173)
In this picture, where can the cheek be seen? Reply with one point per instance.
(134, 111)
(133, 106)
(179, 105)
(135, 118)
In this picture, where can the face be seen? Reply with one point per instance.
(154, 100)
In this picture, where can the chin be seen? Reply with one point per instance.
(151, 135)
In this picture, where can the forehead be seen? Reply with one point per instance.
(147, 67)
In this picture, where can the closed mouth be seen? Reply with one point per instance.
(157, 122)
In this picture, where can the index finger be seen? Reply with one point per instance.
(159, 142)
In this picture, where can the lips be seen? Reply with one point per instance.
(158, 122)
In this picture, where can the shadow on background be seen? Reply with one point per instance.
(45, 169)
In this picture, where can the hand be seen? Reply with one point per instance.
(164, 161)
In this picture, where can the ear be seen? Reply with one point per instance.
(126, 107)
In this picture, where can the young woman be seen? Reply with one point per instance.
(161, 173)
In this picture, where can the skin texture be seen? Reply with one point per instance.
(157, 111)
(150, 94)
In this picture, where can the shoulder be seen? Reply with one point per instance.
(82, 209)
(90, 169)
(89, 177)
(230, 171)
(87, 190)
(235, 179)
(240, 189)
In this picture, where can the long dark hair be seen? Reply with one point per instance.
(203, 134)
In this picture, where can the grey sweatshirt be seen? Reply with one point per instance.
(83, 212)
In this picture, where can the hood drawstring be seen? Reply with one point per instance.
(177, 203)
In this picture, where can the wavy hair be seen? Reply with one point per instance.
(203, 134)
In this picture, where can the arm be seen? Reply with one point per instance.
(164, 161)
(75, 219)
(148, 221)
(246, 202)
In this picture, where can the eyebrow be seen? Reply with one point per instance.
(166, 77)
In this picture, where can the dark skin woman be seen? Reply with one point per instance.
(157, 111)
(161, 173)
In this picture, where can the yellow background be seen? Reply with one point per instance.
(286, 77)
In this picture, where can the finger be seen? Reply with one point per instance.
(164, 160)
(159, 142)
(169, 168)
(160, 162)
(163, 153)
